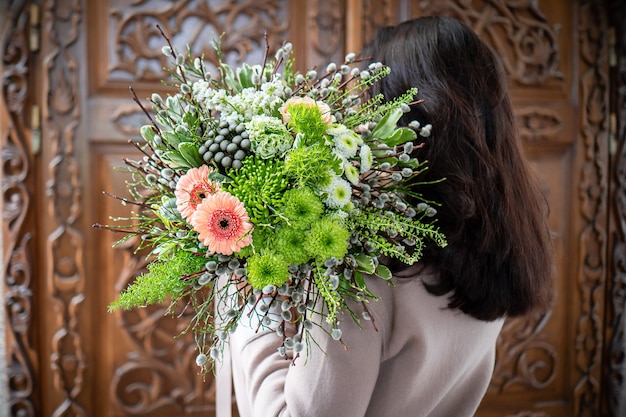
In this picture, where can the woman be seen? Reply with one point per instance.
(432, 353)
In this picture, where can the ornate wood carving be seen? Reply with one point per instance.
(65, 275)
(376, 15)
(518, 31)
(128, 120)
(326, 29)
(538, 124)
(523, 358)
(137, 42)
(17, 194)
(592, 268)
(160, 374)
(616, 372)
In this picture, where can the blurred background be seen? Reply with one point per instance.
(66, 116)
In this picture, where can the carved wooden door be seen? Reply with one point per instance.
(67, 66)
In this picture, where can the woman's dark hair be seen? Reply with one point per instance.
(498, 261)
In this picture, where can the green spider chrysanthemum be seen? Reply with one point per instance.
(302, 207)
(267, 269)
(327, 237)
(259, 184)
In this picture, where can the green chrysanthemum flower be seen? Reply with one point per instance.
(290, 245)
(267, 269)
(327, 238)
(311, 165)
(302, 207)
(263, 238)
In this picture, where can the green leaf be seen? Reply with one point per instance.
(359, 280)
(190, 153)
(365, 263)
(175, 160)
(399, 136)
(387, 125)
(148, 133)
(244, 74)
(383, 272)
(392, 160)
(229, 78)
(170, 138)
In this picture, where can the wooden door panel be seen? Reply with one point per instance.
(142, 368)
(68, 356)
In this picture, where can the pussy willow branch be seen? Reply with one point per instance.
(136, 100)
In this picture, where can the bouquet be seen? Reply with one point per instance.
(264, 184)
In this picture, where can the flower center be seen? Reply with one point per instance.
(224, 224)
(198, 193)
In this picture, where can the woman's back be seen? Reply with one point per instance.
(424, 359)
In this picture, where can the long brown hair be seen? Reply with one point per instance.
(498, 261)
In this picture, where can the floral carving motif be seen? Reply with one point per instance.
(129, 119)
(523, 359)
(137, 40)
(594, 87)
(327, 28)
(61, 22)
(617, 348)
(16, 206)
(376, 15)
(537, 124)
(518, 31)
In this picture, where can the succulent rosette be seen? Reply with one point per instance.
(289, 185)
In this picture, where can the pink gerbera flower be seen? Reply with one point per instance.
(223, 223)
(192, 188)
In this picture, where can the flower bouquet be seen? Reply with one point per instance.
(261, 183)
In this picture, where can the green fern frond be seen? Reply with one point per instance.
(162, 280)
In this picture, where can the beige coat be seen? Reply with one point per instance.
(424, 360)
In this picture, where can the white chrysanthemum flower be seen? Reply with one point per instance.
(366, 158)
(339, 193)
(351, 172)
(340, 215)
(337, 130)
(347, 145)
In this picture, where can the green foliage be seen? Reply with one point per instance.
(162, 280)
(377, 226)
(334, 300)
